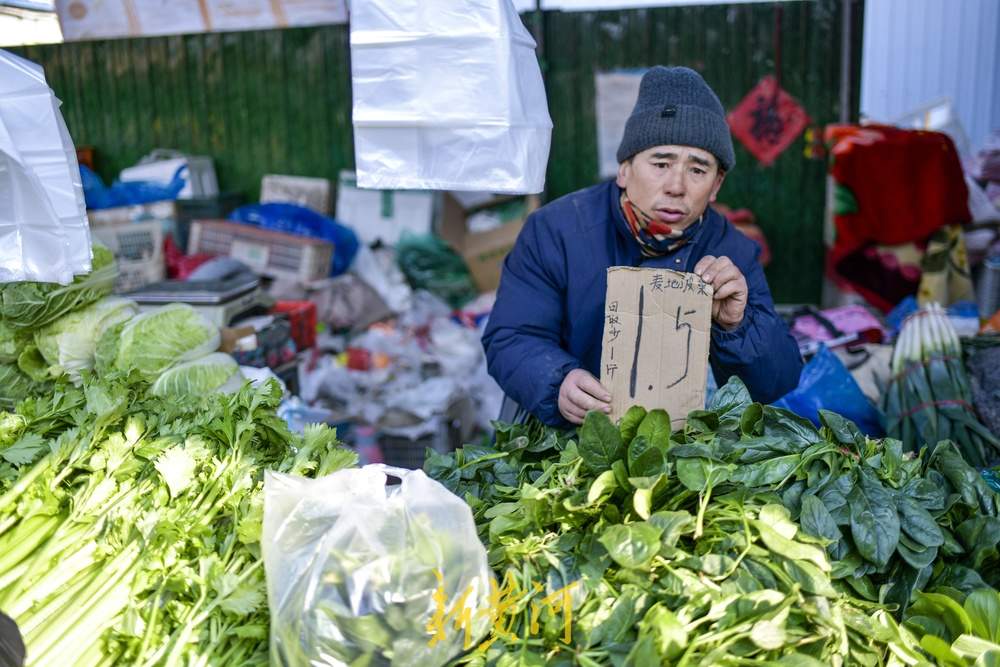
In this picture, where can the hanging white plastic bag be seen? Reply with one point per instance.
(448, 95)
(355, 570)
(44, 234)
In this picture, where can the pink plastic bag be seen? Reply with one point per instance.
(834, 323)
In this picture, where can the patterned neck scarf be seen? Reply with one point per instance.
(655, 238)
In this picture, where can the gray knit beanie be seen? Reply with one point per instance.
(676, 107)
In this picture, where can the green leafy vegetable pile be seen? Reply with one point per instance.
(29, 308)
(172, 347)
(748, 537)
(130, 523)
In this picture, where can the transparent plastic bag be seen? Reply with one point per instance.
(353, 568)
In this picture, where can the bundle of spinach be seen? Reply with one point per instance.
(894, 523)
(684, 546)
(129, 523)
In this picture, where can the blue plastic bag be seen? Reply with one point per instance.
(100, 196)
(302, 221)
(894, 320)
(826, 384)
(992, 478)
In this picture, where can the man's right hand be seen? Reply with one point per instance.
(580, 393)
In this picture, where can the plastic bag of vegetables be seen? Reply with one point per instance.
(357, 572)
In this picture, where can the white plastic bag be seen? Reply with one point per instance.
(44, 234)
(448, 95)
(352, 569)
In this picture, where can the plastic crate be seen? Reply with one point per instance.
(302, 318)
(133, 275)
(270, 253)
(165, 212)
(403, 452)
(138, 250)
(203, 208)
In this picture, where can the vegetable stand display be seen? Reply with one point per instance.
(748, 537)
(131, 471)
(132, 499)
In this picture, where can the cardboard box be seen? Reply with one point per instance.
(484, 249)
(383, 215)
(237, 338)
(312, 193)
(656, 339)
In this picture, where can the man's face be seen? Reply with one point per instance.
(673, 184)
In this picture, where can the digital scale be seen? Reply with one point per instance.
(220, 301)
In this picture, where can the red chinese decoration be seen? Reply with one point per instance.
(767, 120)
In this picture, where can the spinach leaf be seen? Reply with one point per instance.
(926, 493)
(905, 581)
(629, 425)
(605, 484)
(843, 430)
(965, 479)
(732, 397)
(778, 543)
(673, 525)
(766, 473)
(626, 610)
(600, 442)
(941, 651)
(874, 519)
(655, 427)
(701, 474)
(763, 448)
(752, 420)
(816, 520)
(918, 523)
(810, 577)
(633, 545)
(621, 473)
(665, 630)
(787, 424)
(702, 421)
(644, 458)
(959, 577)
(917, 558)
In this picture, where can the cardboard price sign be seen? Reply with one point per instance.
(656, 336)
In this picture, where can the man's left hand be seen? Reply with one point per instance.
(730, 299)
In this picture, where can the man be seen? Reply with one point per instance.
(543, 340)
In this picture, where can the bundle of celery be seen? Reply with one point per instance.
(928, 399)
(129, 523)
